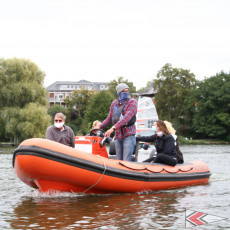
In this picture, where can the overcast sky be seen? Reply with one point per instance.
(99, 40)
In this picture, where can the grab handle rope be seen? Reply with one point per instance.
(99, 178)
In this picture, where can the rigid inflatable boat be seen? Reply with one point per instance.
(50, 166)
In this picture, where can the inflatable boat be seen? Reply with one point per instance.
(50, 166)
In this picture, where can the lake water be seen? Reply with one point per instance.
(25, 208)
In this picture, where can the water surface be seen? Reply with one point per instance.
(25, 208)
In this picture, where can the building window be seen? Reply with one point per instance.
(51, 95)
(59, 96)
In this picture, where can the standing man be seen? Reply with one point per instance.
(123, 115)
(60, 132)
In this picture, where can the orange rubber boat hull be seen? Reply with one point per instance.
(47, 165)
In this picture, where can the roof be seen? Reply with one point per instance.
(149, 92)
(56, 85)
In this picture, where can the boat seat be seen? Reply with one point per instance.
(112, 148)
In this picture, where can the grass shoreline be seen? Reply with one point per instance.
(184, 141)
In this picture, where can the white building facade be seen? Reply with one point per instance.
(60, 90)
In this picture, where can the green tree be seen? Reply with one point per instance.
(98, 108)
(22, 94)
(76, 108)
(26, 122)
(174, 86)
(113, 84)
(56, 109)
(212, 117)
(3, 136)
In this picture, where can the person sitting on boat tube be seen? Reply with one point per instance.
(60, 132)
(164, 144)
(123, 116)
(172, 131)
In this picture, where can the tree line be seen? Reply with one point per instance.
(197, 109)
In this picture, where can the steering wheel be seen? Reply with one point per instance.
(97, 132)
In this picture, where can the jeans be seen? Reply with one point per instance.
(125, 148)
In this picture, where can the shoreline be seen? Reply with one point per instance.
(7, 144)
(183, 141)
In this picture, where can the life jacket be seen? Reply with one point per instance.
(118, 113)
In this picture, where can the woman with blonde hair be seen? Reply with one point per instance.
(95, 129)
(172, 131)
(95, 126)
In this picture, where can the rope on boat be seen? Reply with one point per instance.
(99, 178)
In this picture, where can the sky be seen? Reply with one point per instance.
(101, 40)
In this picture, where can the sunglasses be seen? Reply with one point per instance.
(58, 120)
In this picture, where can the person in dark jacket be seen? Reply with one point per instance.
(164, 144)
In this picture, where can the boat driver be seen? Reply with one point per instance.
(123, 116)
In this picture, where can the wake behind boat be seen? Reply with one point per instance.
(50, 166)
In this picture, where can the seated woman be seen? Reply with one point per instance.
(164, 143)
(95, 129)
(172, 131)
(96, 126)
